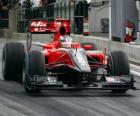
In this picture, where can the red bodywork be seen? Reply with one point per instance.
(55, 55)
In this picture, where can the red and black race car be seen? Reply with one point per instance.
(64, 64)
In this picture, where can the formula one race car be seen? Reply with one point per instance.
(64, 64)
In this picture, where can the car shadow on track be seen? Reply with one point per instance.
(84, 93)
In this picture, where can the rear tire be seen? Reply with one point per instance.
(34, 65)
(12, 61)
(119, 66)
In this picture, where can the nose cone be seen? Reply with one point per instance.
(81, 60)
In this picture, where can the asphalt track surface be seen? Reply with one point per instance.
(15, 102)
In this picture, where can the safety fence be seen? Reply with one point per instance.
(4, 23)
(74, 11)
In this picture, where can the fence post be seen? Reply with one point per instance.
(12, 19)
(12, 22)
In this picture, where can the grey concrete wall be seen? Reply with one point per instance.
(123, 10)
(4, 33)
(8, 33)
(95, 17)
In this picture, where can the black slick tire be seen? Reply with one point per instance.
(119, 66)
(12, 61)
(34, 65)
(120, 63)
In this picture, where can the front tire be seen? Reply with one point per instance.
(34, 65)
(119, 65)
(12, 61)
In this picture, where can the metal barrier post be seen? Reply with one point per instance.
(57, 10)
(65, 8)
(69, 11)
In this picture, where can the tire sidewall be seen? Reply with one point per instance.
(119, 63)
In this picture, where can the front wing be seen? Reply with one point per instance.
(110, 83)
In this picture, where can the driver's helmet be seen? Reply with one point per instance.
(66, 41)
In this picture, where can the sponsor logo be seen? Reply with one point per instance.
(38, 24)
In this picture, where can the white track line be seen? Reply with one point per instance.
(135, 73)
(135, 66)
(22, 41)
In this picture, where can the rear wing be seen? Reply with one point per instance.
(47, 27)
(44, 26)
(39, 26)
